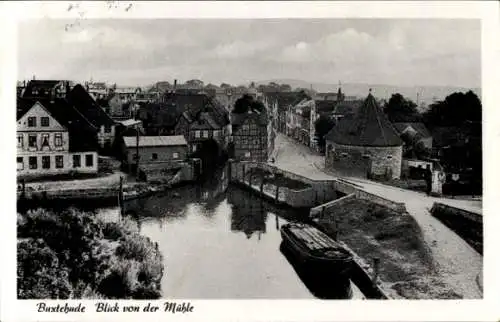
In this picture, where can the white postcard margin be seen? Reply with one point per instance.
(487, 309)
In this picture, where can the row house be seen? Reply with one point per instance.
(53, 138)
(319, 108)
(98, 90)
(252, 136)
(227, 97)
(298, 121)
(201, 118)
(278, 103)
(80, 99)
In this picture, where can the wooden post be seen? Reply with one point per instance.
(376, 266)
(277, 222)
(120, 199)
(137, 152)
(250, 180)
(276, 197)
(243, 173)
(23, 188)
(323, 212)
(262, 183)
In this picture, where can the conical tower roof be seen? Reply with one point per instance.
(370, 127)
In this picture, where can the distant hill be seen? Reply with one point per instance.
(427, 94)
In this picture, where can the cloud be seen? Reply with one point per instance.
(239, 49)
(354, 50)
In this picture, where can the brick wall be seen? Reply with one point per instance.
(360, 161)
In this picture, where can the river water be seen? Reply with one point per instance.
(222, 242)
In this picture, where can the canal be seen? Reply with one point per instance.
(222, 242)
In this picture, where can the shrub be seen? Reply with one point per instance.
(39, 273)
(76, 254)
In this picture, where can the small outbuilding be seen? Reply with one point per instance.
(154, 149)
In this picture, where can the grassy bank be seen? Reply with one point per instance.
(71, 254)
(406, 264)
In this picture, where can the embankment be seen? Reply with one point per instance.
(466, 224)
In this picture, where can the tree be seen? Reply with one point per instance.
(285, 88)
(195, 83)
(456, 109)
(246, 102)
(225, 85)
(400, 109)
(322, 126)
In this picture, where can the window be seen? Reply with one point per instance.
(19, 140)
(45, 121)
(46, 162)
(59, 162)
(76, 161)
(343, 154)
(33, 162)
(247, 154)
(389, 157)
(32, 121)
(176, 155)
(134, 157)
(58, 139)
(32, 140)
(204, 134)
(89, 160)
(45, 140)
(196, 134)
(154, 156)
(194, 148)
(20, 163)
(216, 133)
(107, 129)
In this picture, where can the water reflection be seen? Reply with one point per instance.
(220, 241)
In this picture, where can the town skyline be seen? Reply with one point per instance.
(141, 52)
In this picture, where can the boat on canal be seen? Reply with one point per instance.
(316, 251)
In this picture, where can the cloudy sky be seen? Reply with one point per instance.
(140, 52)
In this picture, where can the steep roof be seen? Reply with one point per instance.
(238, 119)
(193, 105)
(155, 141)
(286, 99)
(79, 128)
(40, 85)
(419, 127)
(370, 127)
(348, 107)
(88, 107)
(325, 106)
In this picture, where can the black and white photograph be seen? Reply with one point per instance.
(248, 158)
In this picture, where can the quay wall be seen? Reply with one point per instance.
(466, 224)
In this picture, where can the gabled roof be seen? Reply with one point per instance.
(192, 105)
(286, 99)
(325, 106)
(370, 127)
(238, 119)
(79, 128)
(155, 141)
(419, 127)
(347, 107)
(88, 107)
(43, 87)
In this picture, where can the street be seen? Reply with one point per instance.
(458, 263)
